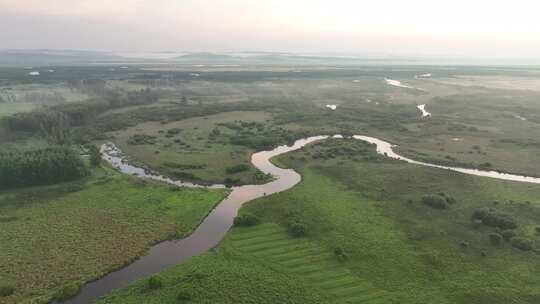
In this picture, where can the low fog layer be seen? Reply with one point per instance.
(481, 28)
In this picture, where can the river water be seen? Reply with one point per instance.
(214, 227)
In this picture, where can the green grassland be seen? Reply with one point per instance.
(74, 232)
(189, 151)
(392, 247)
(369, 239)
(496, 127)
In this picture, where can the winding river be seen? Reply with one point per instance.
(214, 227)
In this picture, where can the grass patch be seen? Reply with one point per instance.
(190, 150)
(61, 235)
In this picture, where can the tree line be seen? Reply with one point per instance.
(56, 122)
(40, 167)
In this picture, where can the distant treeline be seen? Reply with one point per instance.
(40, 167)
(82, 112)
(75, 114)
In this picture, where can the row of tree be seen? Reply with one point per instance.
(40, 167)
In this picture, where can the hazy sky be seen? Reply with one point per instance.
(457, 27)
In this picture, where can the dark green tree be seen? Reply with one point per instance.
(55, 127)
(95, 155)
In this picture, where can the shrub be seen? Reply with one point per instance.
(434, 201)
(521, 244)
(261, 176)
(230, 182)
(495, 239)
(493, 218)
(155, 282)
(7, 219)
(246, 220)
(95, 155)
(476, 224)
(296, 229)
(174, 131)
(183, 296)
(508, 235)
(142, 139)
(183, 175)
(6, 290)
(340, 254)
(479, 214)
(68, 292)
(237, 168)
(485, 166)
(174, 188)
(450, 200)
(500, 220)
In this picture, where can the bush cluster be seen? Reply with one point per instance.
(508, 234)
(142, 139)
(521, 244)
(231, 182)
(495, 239)
(340, 254)
(172, 132)
(237, 168)
(6, 290)
(68, 292)
(183, 296)
(246, 220)
(296, 228)
(492, 218)
(155, 282)
(435, 201)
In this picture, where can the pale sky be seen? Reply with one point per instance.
(492, 28)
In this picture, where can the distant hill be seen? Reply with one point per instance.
(265, 58)
(206, 57)
(52, 57)
(45, 57)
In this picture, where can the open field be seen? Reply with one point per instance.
(27, 97)
(370, 239)
(74, 232)
(495, 127)
(497, 82)
(15, 107)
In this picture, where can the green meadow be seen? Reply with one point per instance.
(368, 238)
(195, 149)
(70, 233)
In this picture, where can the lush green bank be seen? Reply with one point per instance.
(370, 237)
(74, 232)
